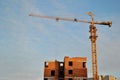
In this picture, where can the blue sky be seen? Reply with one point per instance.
(26, 42)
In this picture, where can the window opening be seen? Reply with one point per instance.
(70, 71)
(84, 64)
(70, 79)
(53, 73)
(46, 64)
(45, 79)
(70, 63)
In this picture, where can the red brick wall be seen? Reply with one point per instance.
(77, 67)
(52, 65)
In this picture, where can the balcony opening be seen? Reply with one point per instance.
(61, 64)
(61, 72)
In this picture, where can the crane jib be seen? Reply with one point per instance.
(109, 23)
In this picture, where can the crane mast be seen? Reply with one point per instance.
(93, 37)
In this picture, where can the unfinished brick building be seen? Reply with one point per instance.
(71, 69)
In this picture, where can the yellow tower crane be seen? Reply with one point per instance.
(93, 37)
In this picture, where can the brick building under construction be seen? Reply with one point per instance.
(71, 69)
